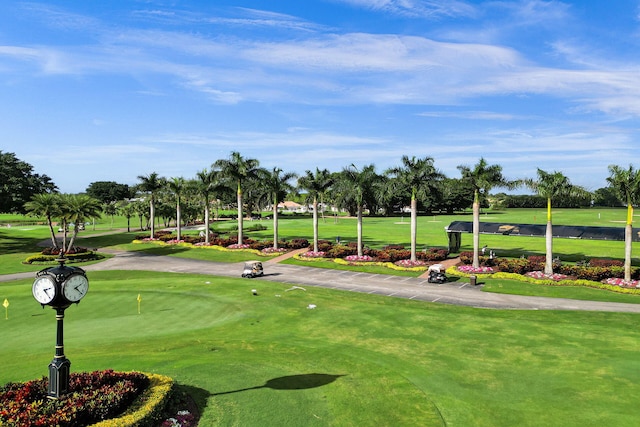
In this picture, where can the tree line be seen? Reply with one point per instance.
(415, 183)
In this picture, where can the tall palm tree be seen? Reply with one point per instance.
(626, 182)
(277, 184)
(359, 186)
(77, 209)
(151, 184)
(208, 183)
(177, 187)
(316, 184)
(48, 206)
(420, 179)
(238, 169)
(482, 178)
(552, 186)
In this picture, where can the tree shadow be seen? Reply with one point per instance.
(291, 382)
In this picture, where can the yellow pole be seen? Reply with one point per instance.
(139, 299)
(5, 304)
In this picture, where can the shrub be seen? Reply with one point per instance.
(510, 265)
(341, 251)
(433, 254)
(596, 262)
(92, 397)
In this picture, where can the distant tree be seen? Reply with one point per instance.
(358, 185)
(456, 195)
(316, 184)
(417, 179)
(276, 182)
(48, 206)
(238, 169)
(177, 187)
(626, 183)
(552, 186)
(152, 184)
(110, 209)
(482, 178)
(607, 197)
(208, 183)
(108, 191)
(126, 209)
(18, 183)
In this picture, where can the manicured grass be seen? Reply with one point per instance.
(516, 287)
(255, 360)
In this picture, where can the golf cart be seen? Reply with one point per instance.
(252, 269)
(436, 275)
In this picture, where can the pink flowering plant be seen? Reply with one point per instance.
(614, 281)
(407, 263)
(313, 254)
(239, 246)
(358, 258)
(539, 275)
(469, 269)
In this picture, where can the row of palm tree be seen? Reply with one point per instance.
(415, 180)
(416, 177)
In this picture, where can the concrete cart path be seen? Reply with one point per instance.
(379, 284)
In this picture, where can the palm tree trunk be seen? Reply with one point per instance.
(315, 225)
(548, 265)
(628, 237)
(476, 230)
(206, 222)
(414, 227)
(275, 225)
(178, 221)
(239, 215)
(359, 226)
(54, 242)
(152, 214)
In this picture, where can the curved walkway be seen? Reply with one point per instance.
(379, 284)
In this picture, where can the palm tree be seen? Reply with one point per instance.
(482, 178)
(151, 184)
(552, 186)
(126, 209)
(238, 169)
(48, 206)
(278, 186)
(77, 209)
(419, 178)
(316, 185)
(359, 186)
(626, 182)
(177, 187)
(208, 183)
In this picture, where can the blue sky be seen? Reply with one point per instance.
(95, 91)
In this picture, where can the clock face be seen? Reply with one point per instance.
(44, 289)
(75, 287)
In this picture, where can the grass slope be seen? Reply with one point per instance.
(356, 359)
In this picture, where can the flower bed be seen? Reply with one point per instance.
(544, 276)
(92, 397)
(313, 254)
(468, 269)
(631, 284)
(358, 258)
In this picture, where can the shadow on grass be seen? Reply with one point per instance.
(291, 382)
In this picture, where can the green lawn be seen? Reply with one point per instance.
(356, 359)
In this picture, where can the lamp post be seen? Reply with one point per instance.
(59, 287)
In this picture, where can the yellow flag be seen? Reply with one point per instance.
(5, 304)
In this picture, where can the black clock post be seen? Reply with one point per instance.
(59, 287)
